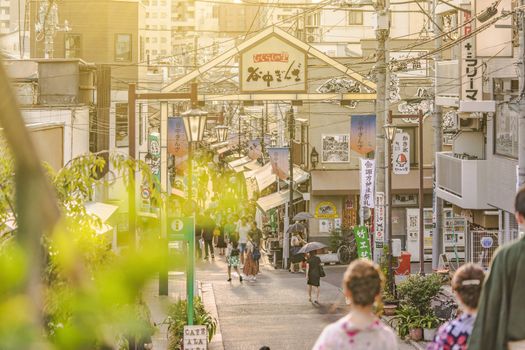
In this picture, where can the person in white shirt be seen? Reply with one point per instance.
(243, 228)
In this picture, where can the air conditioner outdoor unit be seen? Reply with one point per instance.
(311, 38)
(469, 123)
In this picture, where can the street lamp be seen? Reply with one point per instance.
(194, 125)
(390, 131)
(221, 132)
(314, 158)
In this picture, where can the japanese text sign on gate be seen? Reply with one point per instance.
(273, 65)
(368, 168)
(362, 241)
(401, 154)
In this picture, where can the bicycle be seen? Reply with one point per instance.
(347, 248)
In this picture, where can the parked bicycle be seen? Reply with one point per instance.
(343, 242)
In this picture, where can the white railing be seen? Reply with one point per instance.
(449, 173)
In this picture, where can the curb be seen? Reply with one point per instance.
(208, 299)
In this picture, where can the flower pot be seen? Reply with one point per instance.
(390, 309)
(429, 334)
(416, 334)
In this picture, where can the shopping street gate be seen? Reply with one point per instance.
(183, 229)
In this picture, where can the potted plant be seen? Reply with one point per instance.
(390, 303)
(415, 330)
(405, 319)
(429, 324)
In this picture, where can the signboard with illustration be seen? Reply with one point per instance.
(178, 143)
(279, 160)
(326, 210)
(363, 133)
(273, 65)
(401, 154)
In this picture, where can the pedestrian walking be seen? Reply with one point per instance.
(208, 227)
(255, 236)
(251, 268)
(313, 275)
(500, 322)
(466, 284)
(232, 258)
(243, 229)
(296, 258)
(361, 329)
(221, 241)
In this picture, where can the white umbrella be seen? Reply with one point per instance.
(308, 247)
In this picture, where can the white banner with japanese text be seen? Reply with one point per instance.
(379, 233)
(273, 65)
(401, 153)
(368, 170)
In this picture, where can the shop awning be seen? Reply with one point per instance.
(264, 177)
(299, 175)
(179, 193)
(219, 145)
(223, 150)
(251, 165)
(238, 162)
(102, 211)
(275, 200)
(335, 182)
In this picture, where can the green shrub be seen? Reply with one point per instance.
(177, 319)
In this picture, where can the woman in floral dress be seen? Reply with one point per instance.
(361, 329)
(466, 284)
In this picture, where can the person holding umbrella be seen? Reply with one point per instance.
(296, 242)
(314, 270)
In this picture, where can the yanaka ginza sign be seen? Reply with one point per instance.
(273, 65)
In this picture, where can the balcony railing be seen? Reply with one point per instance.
(461, 181)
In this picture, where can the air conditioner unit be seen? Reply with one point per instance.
(312, 38)
(469, 123)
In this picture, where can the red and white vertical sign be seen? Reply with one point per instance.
(401, 154)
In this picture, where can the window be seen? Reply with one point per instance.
(163, 40)
(154, 40)
(121, 120)
(163, 3)
(123, 48)
(147, 40)
(163, 52)
(215, 11)
(355, 18)
(154, 15)
(72, 45)
(163, 27)
(163, 15)
(313, 20)
(506, 119)
(154, 52)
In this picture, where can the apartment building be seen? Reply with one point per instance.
(156, 35)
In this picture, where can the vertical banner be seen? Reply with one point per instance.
(401, 154)
(470, 73)
(379, 226)
(255, 149)
(279, 159)
(368, 168)
(178, 143)
(363, 242)
(154, 151)
(363, 133)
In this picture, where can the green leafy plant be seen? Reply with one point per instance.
(430, 321)
(406, 317)
(177, 320)
(418, 291)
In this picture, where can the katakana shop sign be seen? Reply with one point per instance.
(471, 84)
(273, 65)
(401, 153)
(363, 242)
(368, 168)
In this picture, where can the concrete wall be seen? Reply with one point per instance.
(76, 126)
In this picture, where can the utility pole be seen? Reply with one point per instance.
(437, 236)
(521, 122)
(291, 132)
(132, 175)
(382, 33)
